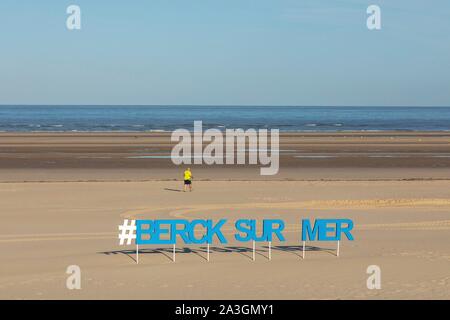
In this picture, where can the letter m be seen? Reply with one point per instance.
(308, 232)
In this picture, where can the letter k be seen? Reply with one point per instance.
(216, 230)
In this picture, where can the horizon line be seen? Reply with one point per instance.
(223, 105)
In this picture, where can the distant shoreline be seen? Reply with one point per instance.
(214, 105)
(379, 133)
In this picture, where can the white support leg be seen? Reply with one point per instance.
(173, 256)
(270, 250)
(337, 250)
(303, 255)
(137, 254)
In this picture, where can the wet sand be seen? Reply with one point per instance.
(145, 156)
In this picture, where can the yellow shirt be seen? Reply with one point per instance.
(187, 175)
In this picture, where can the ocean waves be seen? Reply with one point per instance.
(169, 118)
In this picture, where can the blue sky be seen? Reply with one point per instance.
(225, 52)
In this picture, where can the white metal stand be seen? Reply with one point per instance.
(270, 250)
(173, 256)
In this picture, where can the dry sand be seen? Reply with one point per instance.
(400, 225)
(403, 227)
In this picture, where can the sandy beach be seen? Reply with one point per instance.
(146, 156)
(63, 196)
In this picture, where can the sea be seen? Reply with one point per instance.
(41, 118)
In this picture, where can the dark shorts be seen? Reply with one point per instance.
(187, 181)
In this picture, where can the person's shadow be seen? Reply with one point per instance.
(174, 190)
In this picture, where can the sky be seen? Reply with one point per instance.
(225, 52)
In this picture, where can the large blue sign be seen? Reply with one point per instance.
(206, 231)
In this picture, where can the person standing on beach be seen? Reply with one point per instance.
(188, 179)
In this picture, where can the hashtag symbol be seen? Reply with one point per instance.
(127, 231)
